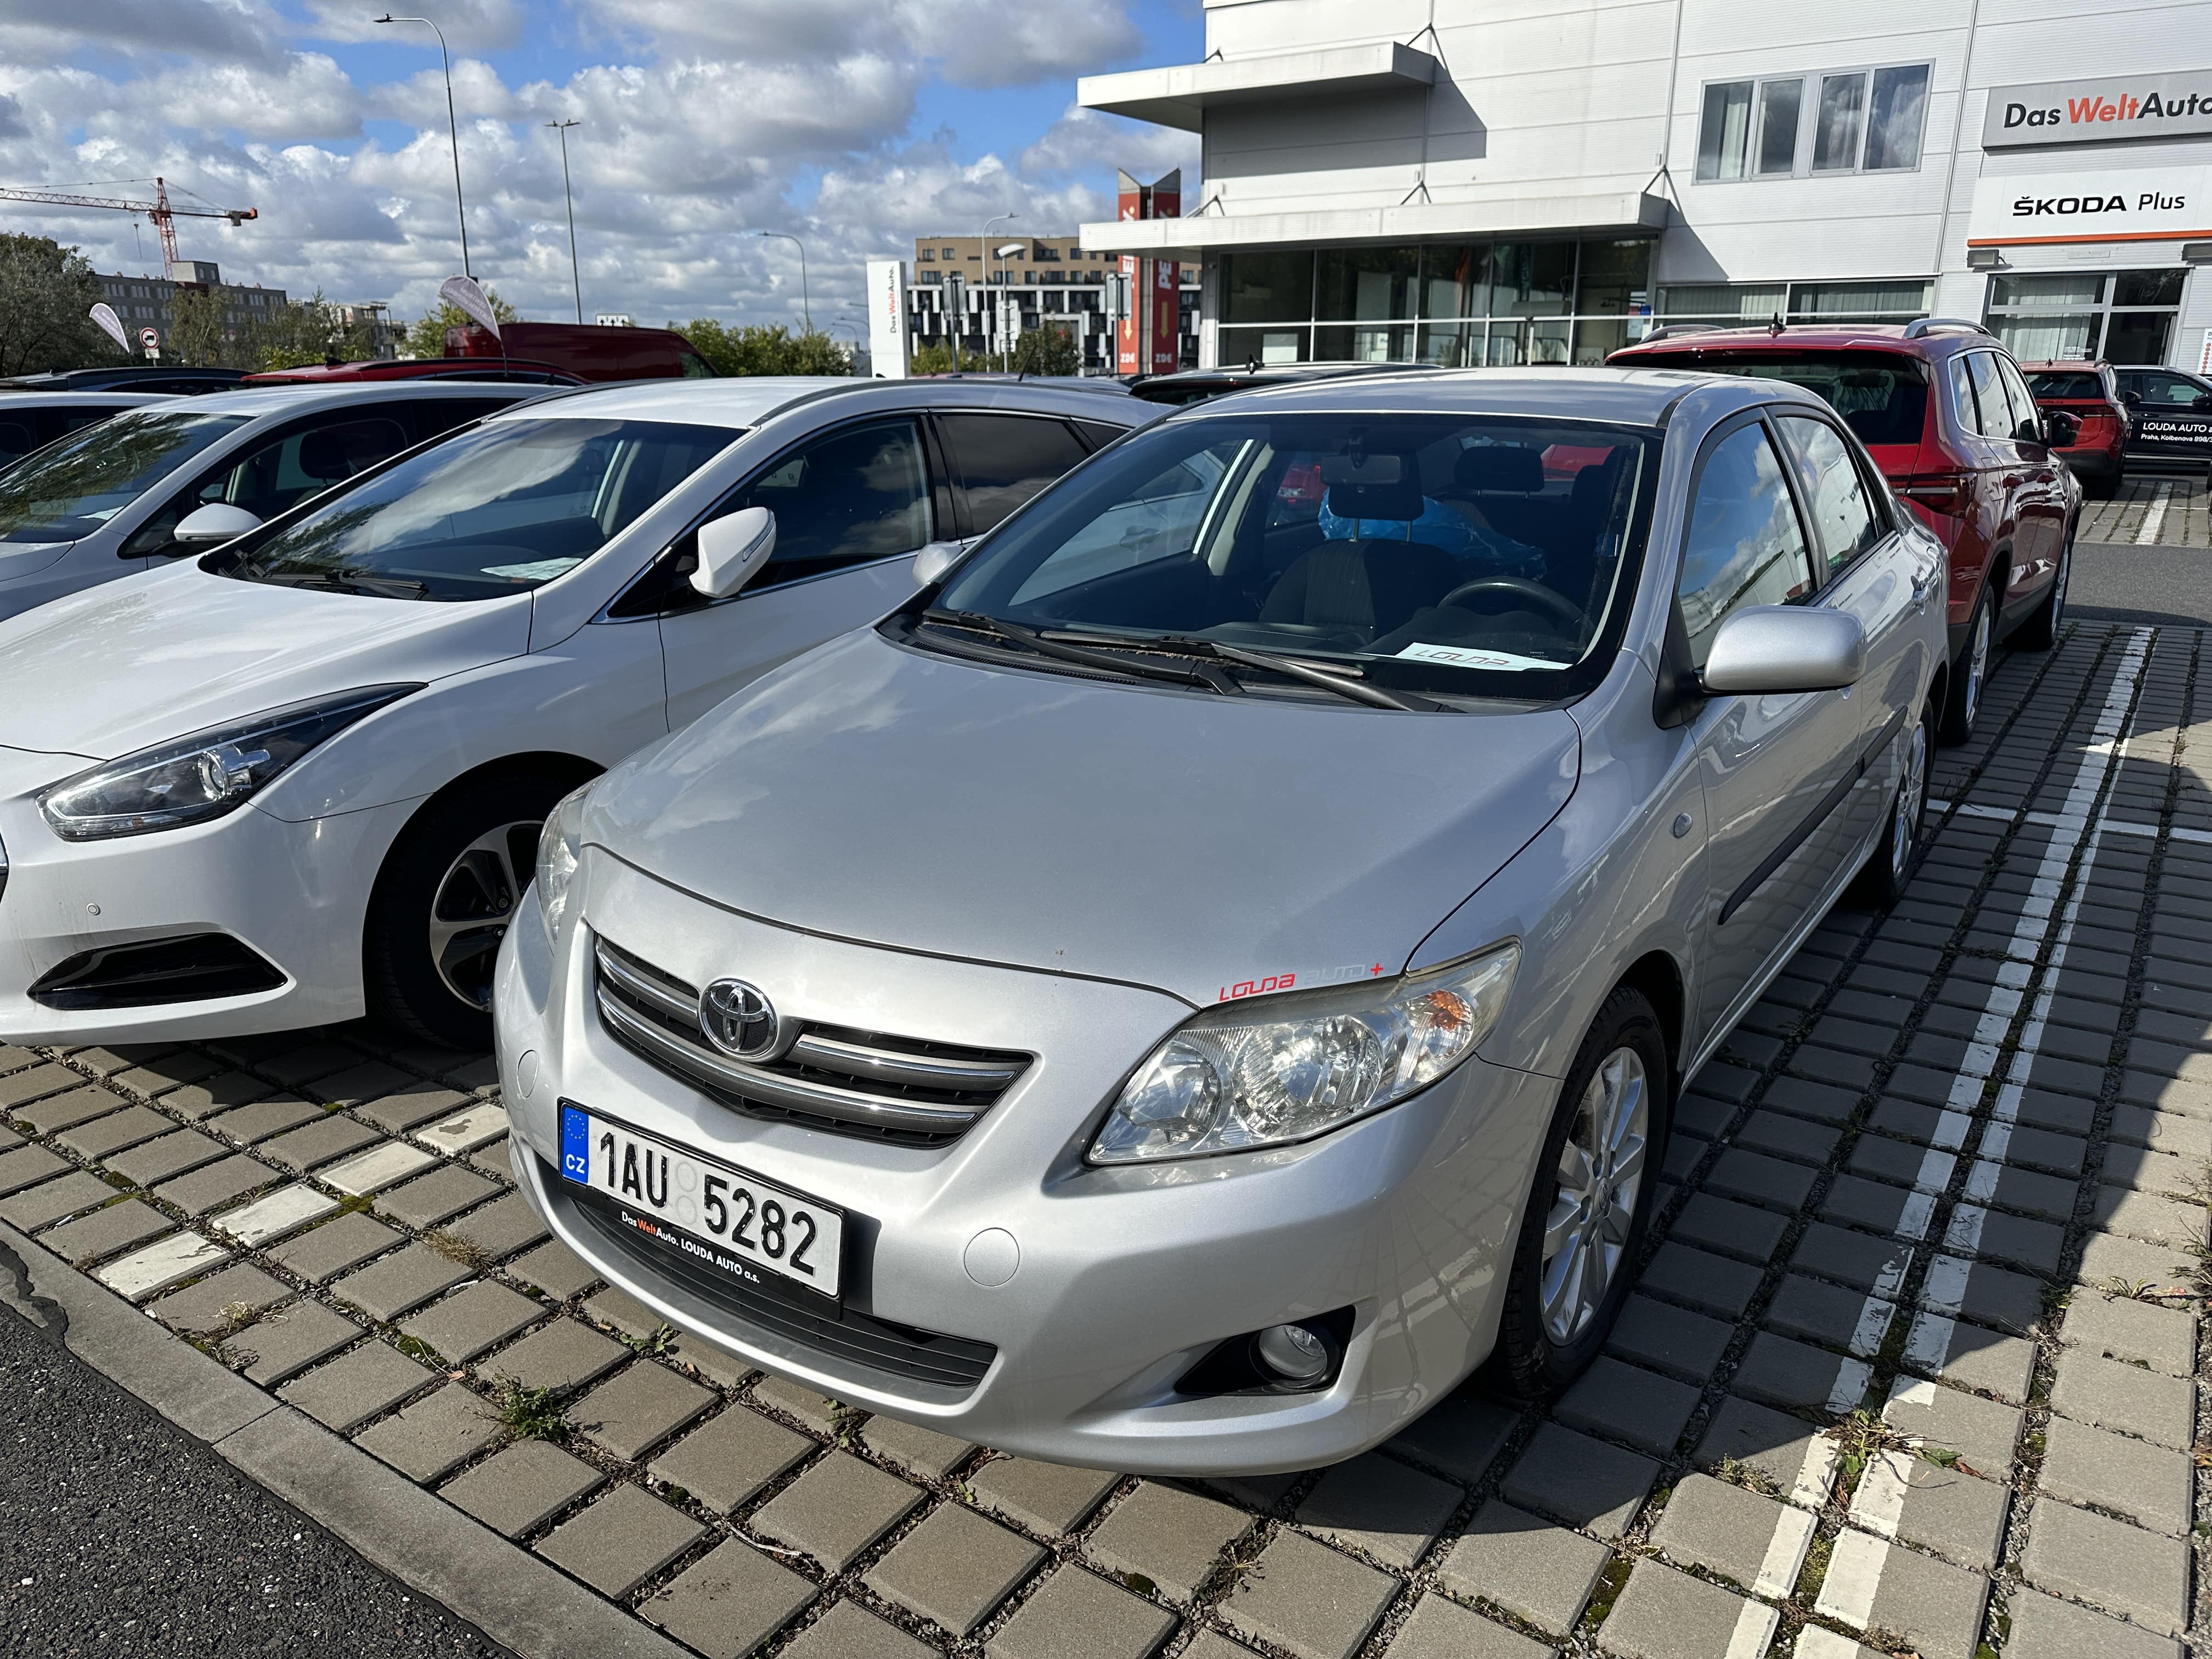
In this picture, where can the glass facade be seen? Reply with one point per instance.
(1453, 305)
(2120, 316)
(1853, 300)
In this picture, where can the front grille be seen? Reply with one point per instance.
(903, 1090)
(193, 969)
(845, 1333)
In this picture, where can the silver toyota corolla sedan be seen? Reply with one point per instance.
(1217, 965)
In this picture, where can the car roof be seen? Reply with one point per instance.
(377, 369)
(1937, 336)
(260, 400)
(2064, 366)
(748, 400)
(1631, 397)
(1226, 377)
(119, 397)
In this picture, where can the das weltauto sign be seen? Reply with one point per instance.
(2116, 205)
(2098, 111)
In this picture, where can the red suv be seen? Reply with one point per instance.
(1945, 413)
(2090, 393)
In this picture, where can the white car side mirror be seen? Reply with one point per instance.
(731, 549)
(218, 521)
(1766, 649)
(931, 564)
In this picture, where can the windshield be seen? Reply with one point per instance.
(1444, 552)
(1882, 397)
(73, 486)
(2063, 385)
(498, 510)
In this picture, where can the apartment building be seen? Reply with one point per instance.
(145, 302)
(964, 287)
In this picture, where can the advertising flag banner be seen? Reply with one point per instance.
(110, 324)
(466, 296)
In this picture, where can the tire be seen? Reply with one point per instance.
(2102, 489)
(2041, 631)
(1882, 883)
(1970, 675)
(1555, 1321)
(443, 899)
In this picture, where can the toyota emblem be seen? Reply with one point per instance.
(738, 1019)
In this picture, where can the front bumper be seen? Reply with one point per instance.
(1126, 1277)
(2098, 463)
(295, 893)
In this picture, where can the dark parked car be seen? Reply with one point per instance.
(129, 377)
(1946, 414)
(2170, 415)
(1189, 385)
(511, 370)
(2087, 392)
(32, 420)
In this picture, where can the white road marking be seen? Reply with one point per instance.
(1879, 1503)
(278, 1213)
(1785, 1554)
(480, 1125)
(1754, 1629)
(1816, 1473)
(180, 1255)
(1854, 1577)
(1815, 1642)
(2153, 517)
(379, 1166)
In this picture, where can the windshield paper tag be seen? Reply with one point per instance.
(537, 570)
(1468, 656)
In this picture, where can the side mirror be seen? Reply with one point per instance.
(2133, 400)
(1773, 648)
(2059, 428)
(217, 522)
(731, 549)
(936, 560)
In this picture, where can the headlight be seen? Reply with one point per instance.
(1227, 1082)
(557, 845)
(204, 775)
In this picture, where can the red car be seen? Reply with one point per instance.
(1946, 414)
(417, 368)
(2091, 394)
(541, 354)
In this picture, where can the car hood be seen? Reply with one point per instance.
(151, 657)
(1201, 845)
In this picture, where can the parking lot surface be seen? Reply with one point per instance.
(2152, 509)
(1912, 1366)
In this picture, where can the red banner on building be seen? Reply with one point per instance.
(1150, 335)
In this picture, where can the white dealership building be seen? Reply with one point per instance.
(1514, 181)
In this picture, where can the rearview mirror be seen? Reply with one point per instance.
(936, 560)
(1766, 649)
(2060, 429)
(218, 521)
(2132, 398)
(731, 549)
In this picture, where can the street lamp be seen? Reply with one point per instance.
(574, 271)
(806, 305)
(1007, 309)
(453, 125)
(983, 253)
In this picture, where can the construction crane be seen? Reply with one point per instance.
(159, 211)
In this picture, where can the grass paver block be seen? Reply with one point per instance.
(1372, 1504)
(1078, 1615)
(1445, 1630)
(725, 1461)
(264, 1118)
(1629, 1403)
(818, 1412)
(217, 1184)
(323, 1253)
(924, 1451)
(64, 1111)
(621, 1540)
(1459, 1435)
(955, 1568)
(2045, 1627)
(1665, 1614)
(1046, 1498)
(281, 1345)
(563, 1355)
(1307, 1599)
(167, 1262)
(517, 1490)
(848, 1630)
(198, 1100)
(106, 1231)
(355, 1387)
(729, 1603)
(155, 1077)
(1532, 1569)
(1755, 1541)
(385, 1290)
(1983, 1431)
(96, 1139)
(363, 1082)
(2091, 1389)
(26, 1166)
(836, 1510)
(1952, 1512)
(1583, 1482)
(1734, 1228)
(554, 1268)
(473, 1321)
(501, 1228)
(38, 1206)
(1874, 1584)
(429, 1200)
(152, 1162)
(1168, 1535)
(377, 1167)
(2162, 1337)
(406, 1108)
(2150, 1485)
(1798, 1377)
(638, 1409)
(1715, 1283)
(318, 1142)
(434, 1436)
(476, 1124)
(219, 1301)
(1672, 1339)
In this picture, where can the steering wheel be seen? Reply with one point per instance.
(1540, 596)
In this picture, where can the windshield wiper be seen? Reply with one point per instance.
(978, 622)
(1357, 690)
(351, 581)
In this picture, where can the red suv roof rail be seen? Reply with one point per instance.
(1671, 330)
(1920, 327)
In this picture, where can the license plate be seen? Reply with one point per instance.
(720, 1216)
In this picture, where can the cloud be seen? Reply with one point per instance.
(469, 25)
(237, 29)
(1077, 142)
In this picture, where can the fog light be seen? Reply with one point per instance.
(1292, 1353)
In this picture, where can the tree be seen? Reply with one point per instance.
(1046, 349)
(427, 337)
(200, 332)
(46, 293)
(307, 332)
(941, 360)
(759, 348)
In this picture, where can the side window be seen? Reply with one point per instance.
(1844, 523)
(1989, 391)
(1097, 434)
(847, 498)
(272, 477)
(76, 420)
(16, 438)
(435, 416)
(1004, 459)
(1745, 546)
(2027, 419)
(1961, 382)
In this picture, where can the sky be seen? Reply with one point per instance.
(854, 125)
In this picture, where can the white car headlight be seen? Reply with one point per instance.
(558, 843)
(204, 775)
(1231, 1081)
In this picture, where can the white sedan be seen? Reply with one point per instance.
(300, 778)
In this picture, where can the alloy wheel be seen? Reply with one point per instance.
(1911, 794)
(2058, 585)
(1593, 1207)
(474, 902)
(1977, 663)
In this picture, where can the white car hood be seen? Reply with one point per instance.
(131, 662)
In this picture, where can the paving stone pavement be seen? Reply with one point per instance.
(2164, 509)
(1913, 1365)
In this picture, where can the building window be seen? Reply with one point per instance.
(925, 253)
(951, 253)
(2120, 316)
(1862, 121)
(1736, 304)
